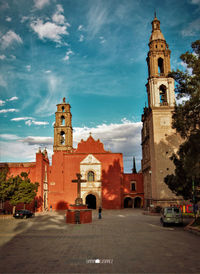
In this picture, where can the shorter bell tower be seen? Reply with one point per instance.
(63, 132)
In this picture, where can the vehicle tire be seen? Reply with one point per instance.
(164, 224)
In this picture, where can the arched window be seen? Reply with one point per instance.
(90, 176)
(163, 95)
(160, 66)
(62, 138)
(62, 120)
(63, 108)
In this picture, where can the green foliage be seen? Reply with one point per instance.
(186, 117)
(187, 168)
(186, 120)
(17, 189)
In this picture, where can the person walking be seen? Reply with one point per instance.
(100, 209)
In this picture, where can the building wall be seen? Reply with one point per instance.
(128, 179)
(63, 192)
(36, 173)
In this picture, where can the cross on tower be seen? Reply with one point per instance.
(78, 200)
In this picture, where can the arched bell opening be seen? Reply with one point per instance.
(62, 138)
(163, 95)
(160, 66)
(62, 120)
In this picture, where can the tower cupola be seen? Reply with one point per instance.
(156, 32)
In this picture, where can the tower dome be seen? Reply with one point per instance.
(156, 32)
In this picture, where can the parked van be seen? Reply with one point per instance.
(171, 215)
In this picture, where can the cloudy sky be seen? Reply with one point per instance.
(93, 52)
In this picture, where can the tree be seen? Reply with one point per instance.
(186, 121)
(187, 169)
(27, 190)
(17, 189)
(186, 116)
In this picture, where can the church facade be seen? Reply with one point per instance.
(105, 183)
(159, 140)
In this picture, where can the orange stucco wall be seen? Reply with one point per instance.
(139, 190)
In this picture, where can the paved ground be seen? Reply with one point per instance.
(124, 241)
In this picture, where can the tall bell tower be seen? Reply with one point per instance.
(159, 140)
(63, 132)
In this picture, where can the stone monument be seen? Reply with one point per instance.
(78, 213)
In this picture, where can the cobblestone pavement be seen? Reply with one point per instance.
(124, 241)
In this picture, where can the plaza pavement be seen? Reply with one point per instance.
(123, 241)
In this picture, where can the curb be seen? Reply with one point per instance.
(2, 217)
(192, 229)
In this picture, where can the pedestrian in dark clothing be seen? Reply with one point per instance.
(100, 209)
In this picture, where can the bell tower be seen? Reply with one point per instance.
(63, 132)
(160, 87)
(159, 140)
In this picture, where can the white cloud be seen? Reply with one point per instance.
(8, 19)
(37, 123)
(192, 29)
(80, 27)
(28, 67)
(16, 148)
(2, 57)
(17, 119)
(24, 18)
(102, 40)
(189, 70)
(2, 82)
(97, 17)
(13, 57)
(40, 123)
(66, 58)
(8, 110)
(39, 4)
(46, 106)
(49, 30)
(2, 103)
(47, 71)
(58, 17)
(67, 55)
(181, 100)
(81, 38)
(9, 136)
(12, 98)
(10, 38)
(38, 140)
(29, 123)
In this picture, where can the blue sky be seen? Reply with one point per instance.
(93, 52)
